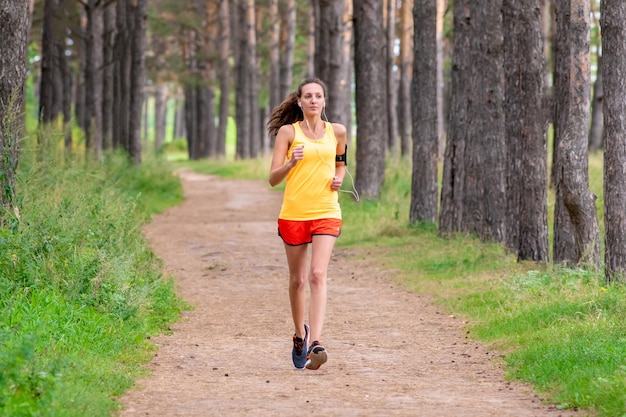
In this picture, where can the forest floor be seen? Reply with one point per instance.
(391, 352)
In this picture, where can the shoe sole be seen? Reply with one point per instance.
(317, 358)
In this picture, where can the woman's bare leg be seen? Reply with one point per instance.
(296, 259)
(322, 248)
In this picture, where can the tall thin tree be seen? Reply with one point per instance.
(424, 104)
(576, 232)
(224, 75)
(452, 189)
(406, 74)
(370, 73)
(287, 44)
(15, 18)
(330, 60)
(614, 71)
(139, 13)
(524, 63)
(392, 78)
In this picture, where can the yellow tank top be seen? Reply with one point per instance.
(307, 188)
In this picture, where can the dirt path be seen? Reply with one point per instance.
(391, 353)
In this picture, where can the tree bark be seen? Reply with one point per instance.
(93, 78)
(121, 97)
(524, 63)
(406, 75)
(441, 114)
(242, 110)
(392, 81)
(256, 125)
(160, 115)
(576, 232)
(224, 76)
(15, 18)
(424, 104)
(614, 73)
(108, 77)
(477, 126)
(485, 152)
(597, 108)
(452, 189)
(139, 13)
(331, 61)
(310, 44)
(288, 40)
(50, 96)
(370, 76)
(274, 55)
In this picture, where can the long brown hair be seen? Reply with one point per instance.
(288, 111)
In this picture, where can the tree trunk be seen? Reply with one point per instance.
(441, 114)
(224, 76)
(93, 78)
(597, 108)
(108, 77)
(139, 13)
(256, 126)
(121, 95)
(614, 72)
(68, 78)
(406, 74)
(452, 189)
(180, 130)
(191, 121)
(50, 95)
(242, 105)
(288, 41)
(370, 73)
(313, 16)
(524, 66)
(15, 18)
(330, 60)
(274, 56)
(424, 105)
(160, 115)
(347, 51)
(486, 152)
(576, 233)
(479, 125)
(392, 82)
(201, 82)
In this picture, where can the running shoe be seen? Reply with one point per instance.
(299, 351)
(316, 357)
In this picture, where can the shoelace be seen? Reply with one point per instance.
(298, 344)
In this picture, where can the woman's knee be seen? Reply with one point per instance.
(318, 277)
(297, 282)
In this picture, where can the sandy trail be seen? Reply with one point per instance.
(391, 353)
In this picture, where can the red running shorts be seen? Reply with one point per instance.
(300, 232)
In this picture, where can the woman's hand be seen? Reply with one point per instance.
(335, 184)
(296, 155)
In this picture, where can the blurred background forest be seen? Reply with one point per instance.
(499, 98)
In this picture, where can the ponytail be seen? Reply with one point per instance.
(285, 113)
(288, 111)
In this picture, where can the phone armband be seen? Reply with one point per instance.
(343, 158)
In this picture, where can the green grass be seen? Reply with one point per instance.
(561, 330)
(81, 290)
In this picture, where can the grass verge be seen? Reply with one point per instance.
(81, 290)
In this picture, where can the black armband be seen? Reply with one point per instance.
(343, 158)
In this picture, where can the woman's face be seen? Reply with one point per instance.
(312, 98)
